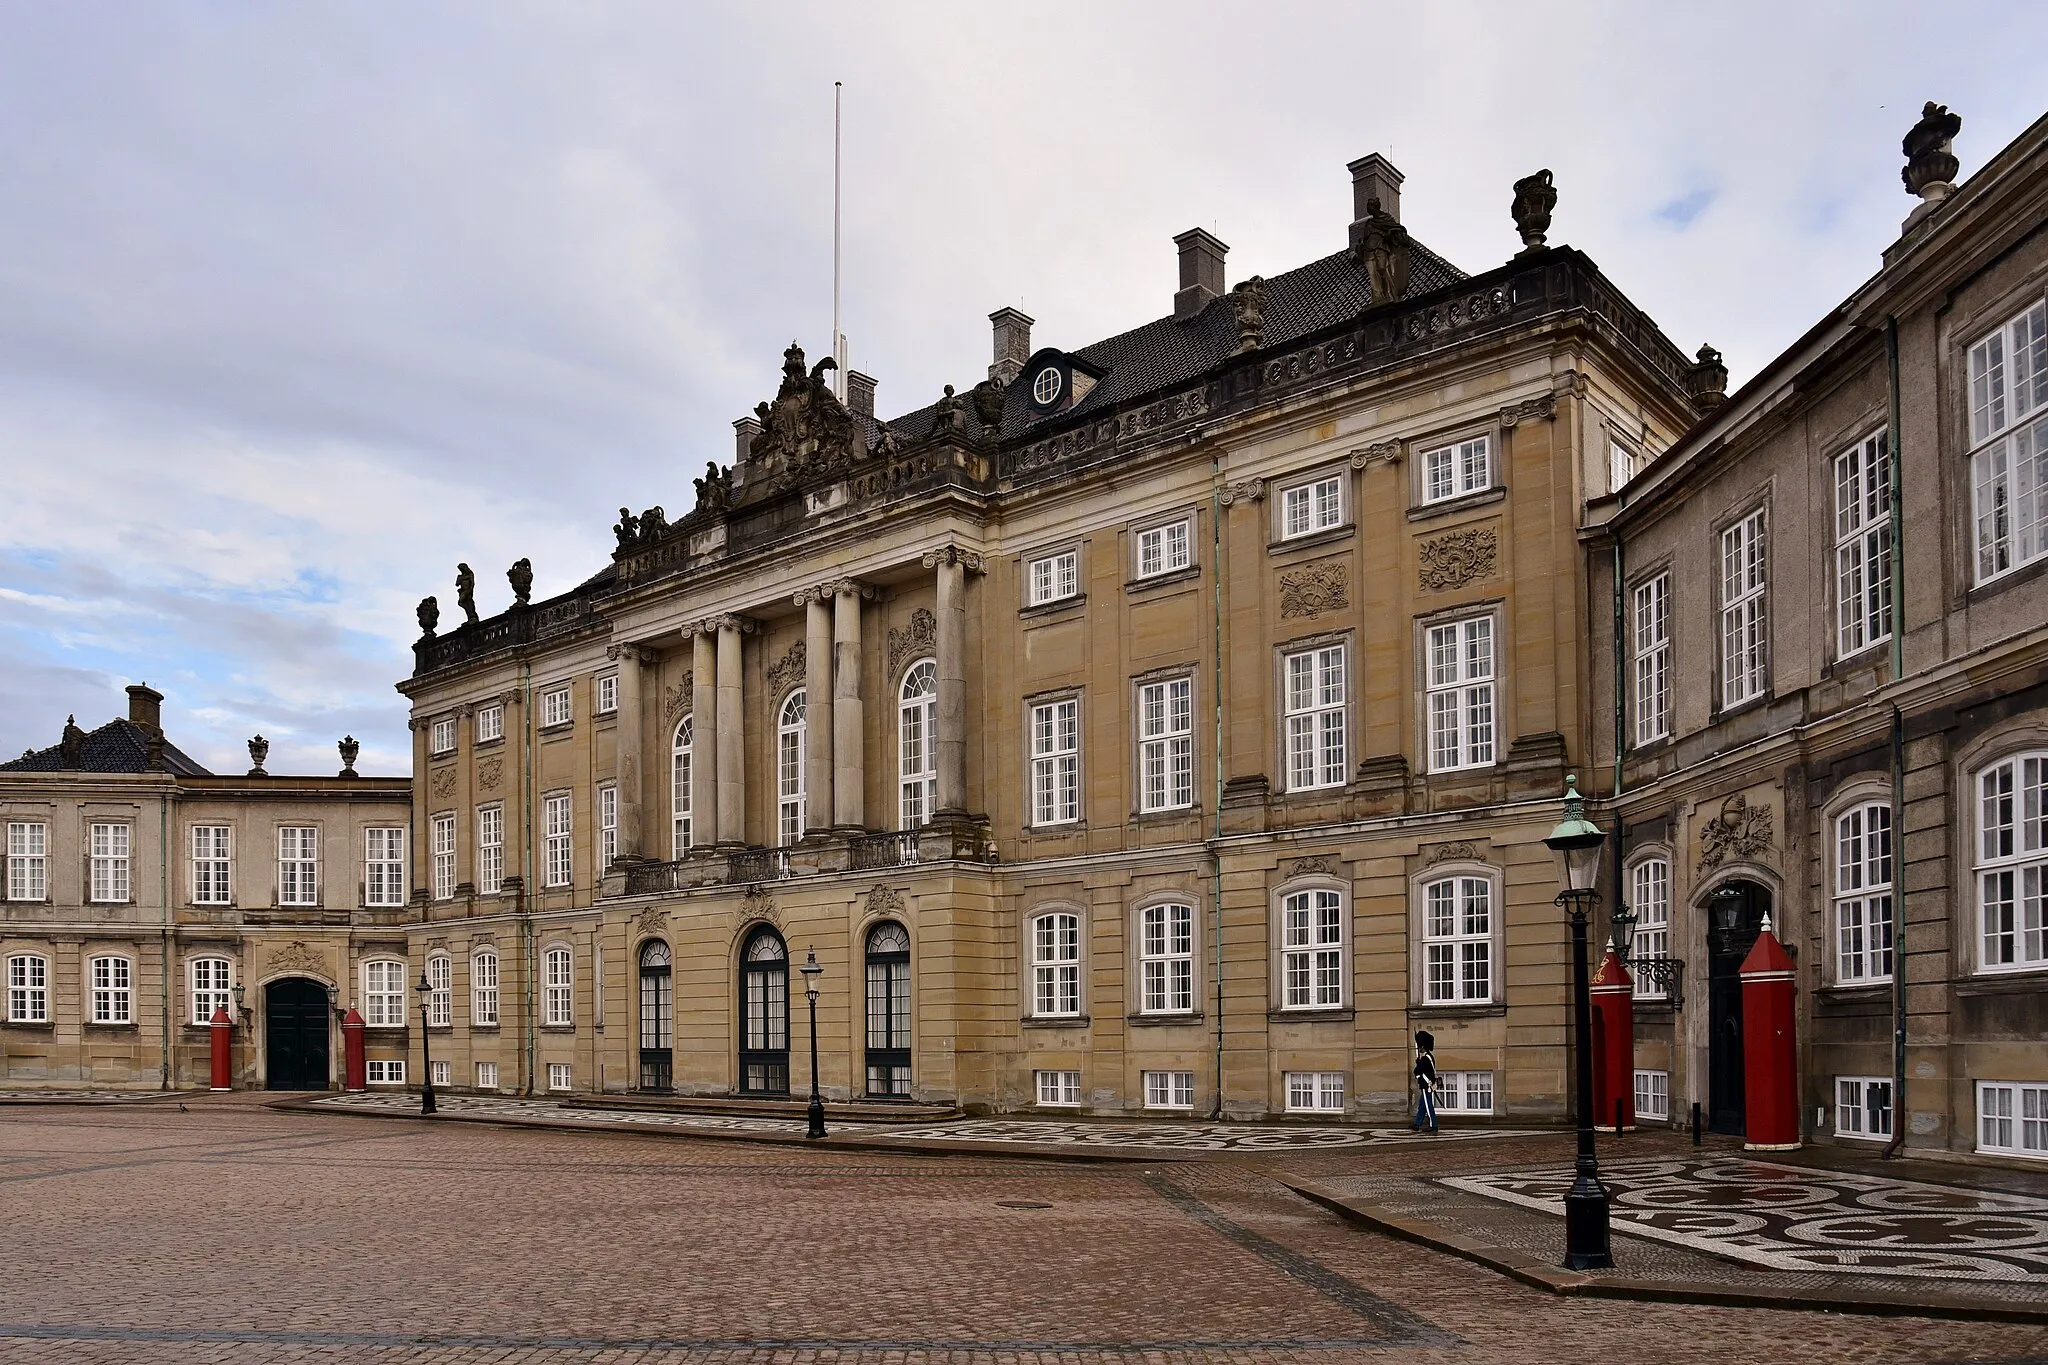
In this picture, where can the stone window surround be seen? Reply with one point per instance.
(1965, 767)
(1858, 789)
(1077, 547)
(1027, 994)
(1191, 671)
(1344, 637)
(1849, 437)
(191, 862)
(1656, 850)
(1419, 1004)
(1417, 448)
(1757, 499)
(192, 957)
(1276, 500)
(1503, 689)
(1276, 986)
(88, 817)
(1189, 513)
(277, 860)
(1961, 332)
(1664, 565)
(1134, 920)
(1075, 694)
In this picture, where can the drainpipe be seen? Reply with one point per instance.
(525, 906)
(1898, 582)
(163, 891)
(1216, 700)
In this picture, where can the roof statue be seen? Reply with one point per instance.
(429, 612)
(714, 490)
(807, 428)
(628, 529)
(950, 415)
(1384, 246)
(1249, 298)
(1535, 197)
(520, 576)
(259, 749)
(1931, 165)
(349, 746)
(73, 743)
(988, 398)
(465, 592)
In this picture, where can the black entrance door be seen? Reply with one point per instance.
(295, 1025)
(657, 1019)
(764, 1015)
(1735, 915)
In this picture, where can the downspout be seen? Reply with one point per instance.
(525, 907)
(1216, 699)
(163, 892)
(1898, 581)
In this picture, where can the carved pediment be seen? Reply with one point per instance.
(788, 671)
(1737, 830)
(806, 430)
(919, 638)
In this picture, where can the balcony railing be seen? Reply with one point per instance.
(865, 851)
(757, 865)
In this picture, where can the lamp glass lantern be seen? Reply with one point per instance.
(1577, 842)
(812, 971)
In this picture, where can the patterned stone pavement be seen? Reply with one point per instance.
(401, 1104)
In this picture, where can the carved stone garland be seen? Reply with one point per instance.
(1457, 558)
(885, 900)
(1738, 830)
(1316, 588)
(788, 671)
(919, 638)
(678, 697)
(1316, 865)
(1459, 852)
(296, 957)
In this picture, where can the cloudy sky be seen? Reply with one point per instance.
(300, 304)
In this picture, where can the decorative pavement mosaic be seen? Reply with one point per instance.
(1798, 1218)
(488, 1106)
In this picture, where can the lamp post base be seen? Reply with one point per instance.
(1585, 1226)
(816, 1116)
(427, 1099)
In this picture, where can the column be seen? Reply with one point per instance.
(732, 735)
(703, 737)
(632, 750)
(952, 565)
(819, 755)
(849, 775)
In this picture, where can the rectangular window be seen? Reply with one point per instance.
(490, 849)
(442, 1073)
(298, 865)
(441, 737)
(384, 992)
(1164, 549)
(1056, 762)
(1315, 1092)
(1311, 507)
(1169, 1089)
(2012, 1118)
(28, 989)
(1623, 464)
(559, 1076)
(490, 723)
(558, 1004)
(1863, 546)
(1454, 470)
(1315, 718)
(1166, 745)
(554, 707)
(1465, 1092)
(211, 989)
(444, 855)
(2012, 866)
(1059, 1087)
(110, 862)
(1743, 644)
(1054, 578)
(1650, 895)
(384, 866)
(2009, 443)
(1166, 959)
(28, 861)
(384, 1072)
(1653, 1094)
(1652, 651)
(1056, 966)
(1461, 694)
(1863, 1107)
(483, 990)
(555, 840)
(113, 991)
(1312, 950)
(607, 826)
(487, 1075)
(608, 694)
(1457, 937)
(441, 992)
(210, 884)
(1863, 895)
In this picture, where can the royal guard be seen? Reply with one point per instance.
(1425, 1082)
(1770, 1047)
(1614, 1052)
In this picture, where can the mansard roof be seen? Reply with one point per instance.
(119, 746)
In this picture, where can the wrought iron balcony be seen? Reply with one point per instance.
(893, 849)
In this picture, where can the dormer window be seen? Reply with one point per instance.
(1047, 386)
(1055, 381)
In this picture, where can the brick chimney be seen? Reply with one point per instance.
(1013, 344)
(744, 432)
(146, 707)
(860, 393)
(1374, 177)
(1201, 273)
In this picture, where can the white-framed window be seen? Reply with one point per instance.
(1166, 959)
(1863, 894)
(1744, 648)
(791, 741)
(1311, 507)
(212, 988)
(443, 830)
(1165, 549)
(1056, 965)
(1312, 949)
(442, 1073)
(211, 881)
(298, 865)
(1056, 762)
(490, 723)
(384, 990)
(1653, 1094)
(1863, 1107)
(1623, 464)
(1863, 545)
(1652, 650)
(2012, 864)
(384, 866)
(557, 980)
(110, 866)
(559, 869)
(384, 1072)
(555, 708)
(1053, 578)
(441, 736)
(560, 1076)
(28, 860)
(1457, 940)
(483, 989)
(607, 825)
(2009, 443)
(1061, 1088)
(917, 733)
(441, 992)
(28, 989)
(1461, 710)
(1465, 1092)
(1452, 471)
(1650, 897)
(680, 793)
(487, 1075)
(490, 850)
(113, 989)
(608, 694)
(1166, 745)
(1315, 1092)
(1315, 701)
(1169, 1089)
(2012, 1118)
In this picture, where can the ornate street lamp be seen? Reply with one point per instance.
(241, 1017)
(1576, 842)
(426, 990)
(816, 1113)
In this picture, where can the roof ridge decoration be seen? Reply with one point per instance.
(806, 428)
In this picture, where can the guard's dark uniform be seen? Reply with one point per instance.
(1425, 1083)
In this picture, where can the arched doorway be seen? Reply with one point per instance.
(889, 1010)
(764, 1014)
(657, 1018)
(295, 1035)
(1735, 915)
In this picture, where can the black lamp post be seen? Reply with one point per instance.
(1577, 842)
(426, 990)
(816, 1113)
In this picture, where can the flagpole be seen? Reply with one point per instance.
(838, 338)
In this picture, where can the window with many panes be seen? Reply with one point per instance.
(1651, 647)
(558, 1007)
(1650, 898)
(1169, 1089)
(1056, 965)
(1165, 549)
(608, 694)
(1863, 894)
(557, 868)
(1863, 1107)
(28, 989)
(607, 825)
(298, 865)
(442, 829)
(441, 736)
(384, 990)
(490, 850)
(487, 1075)
(1166, 959)
(211, 988)
(1454, 470)
(1653, 1094)
(1166, 745)
(1461, 709)
(2012, 864)
(1315, 719)
(384, 866)
(109, 862)
(483, 989)
(1053, 578)
(554, 707)
(1623, 464)
(210, 878)
(1311, 507)
(2012, 1118)
(440, 990)
(490, 723)
(2009, 443)
(559, 1076)
(384, 1072)
(1059, 1087)
(1312, 949)
(1457, 941)
(917, 733)
(1863, 545)
(1314, 1092)
(1056, 762)
(113, 990)
(680, 779)
(28, 860)
(791, 742)
(1744, 655)
(1465, 1092)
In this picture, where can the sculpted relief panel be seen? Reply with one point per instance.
(1459, 557)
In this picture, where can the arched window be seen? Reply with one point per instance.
(483, 989)
(2012, 864)
(888, 1009)
(210, 988)
(764, 1015)
(1056, 965)
(384, 992)
(790, 743)
(679, 784)
(28, 989)
(1863, 894)
(1650, 897)
(1457, 941)
(917, 732)
(558, 981)
(657, 1018)
(1312, 949)
(441, 998)
(1166, 959)
(113, 990)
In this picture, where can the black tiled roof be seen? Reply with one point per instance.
(119, 746)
